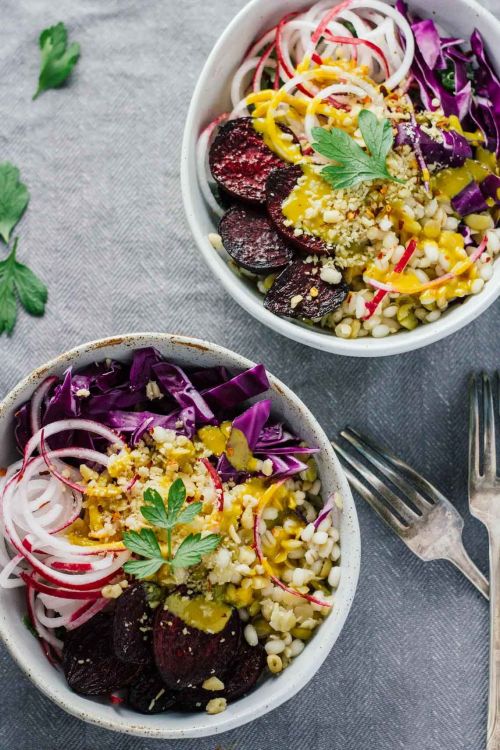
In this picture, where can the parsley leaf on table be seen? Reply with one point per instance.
(145, 543)
(58, 60)
(14, 198)
(355, 165)
(16, 279)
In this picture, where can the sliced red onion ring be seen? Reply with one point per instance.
(37, 401)
(63, 425)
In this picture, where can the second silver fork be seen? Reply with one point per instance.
(415, 510)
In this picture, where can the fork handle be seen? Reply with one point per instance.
(461, 560)
(493, 742)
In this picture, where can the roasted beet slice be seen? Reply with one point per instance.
(89, 664)
(149, 694)
(280, 184)
(246, 670)
(186, 655)
(240, 161)
(239, 679)
(302, 280)
(133, 623)
(250, 238)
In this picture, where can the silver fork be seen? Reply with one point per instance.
(484, 503)
(418, 512)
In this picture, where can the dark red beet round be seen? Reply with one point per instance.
(133, 625)
(240, 677)
(185, 655)
(280, 184)
(244, 673)
(240, 161)
(250, 238)
(149, 694)
(299, 279)
(89, 664)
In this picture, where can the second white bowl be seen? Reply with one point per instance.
(211, 98)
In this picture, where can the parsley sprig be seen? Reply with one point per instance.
(14, 198)
(354, 164)
(58, 60)
(145, 543)
(17, 281)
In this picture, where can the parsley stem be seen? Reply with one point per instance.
(169, 543)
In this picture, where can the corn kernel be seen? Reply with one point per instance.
(274, 663)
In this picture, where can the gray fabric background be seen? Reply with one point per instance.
(105, 229)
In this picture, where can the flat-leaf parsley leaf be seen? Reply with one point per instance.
(14, 198)
(58, 60)
(354, 164)
(18, 279)
(145, 542)
(192, 549)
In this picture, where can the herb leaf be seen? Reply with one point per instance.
(189, 513)
(355, 165)
(176, 499)
(58, 60)
(14, 198)
(143, 543)
(193, 548)
(143, 568)
(166, 518)
(155, 511)
(377, 134)
(17, 278)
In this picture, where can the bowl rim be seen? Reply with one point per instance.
(61, 694)
(455, 318)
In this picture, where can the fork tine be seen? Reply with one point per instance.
(474, 475)
(389, 465)
(489, 447)
(378, 506)
(373, 501)
(407, 514)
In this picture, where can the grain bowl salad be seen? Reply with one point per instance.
(171, 537)
(356, 177)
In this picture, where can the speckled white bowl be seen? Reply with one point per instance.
(273, 691)
(211, 98)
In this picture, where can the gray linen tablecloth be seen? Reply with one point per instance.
(106, 230)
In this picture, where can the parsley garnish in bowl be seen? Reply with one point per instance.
(145, 542)
(354, 164)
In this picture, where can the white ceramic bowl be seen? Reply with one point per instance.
(211, 98)
(273, 691)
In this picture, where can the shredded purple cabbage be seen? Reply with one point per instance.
(450, 151)
(149, 392)
(490, 188)
(174, 382)
(470, 200)
(247, 384)
(462, 82)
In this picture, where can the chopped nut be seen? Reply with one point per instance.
(296, 300)
(216, 705)
(112, 591)
(213, 683)
(216, 241)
